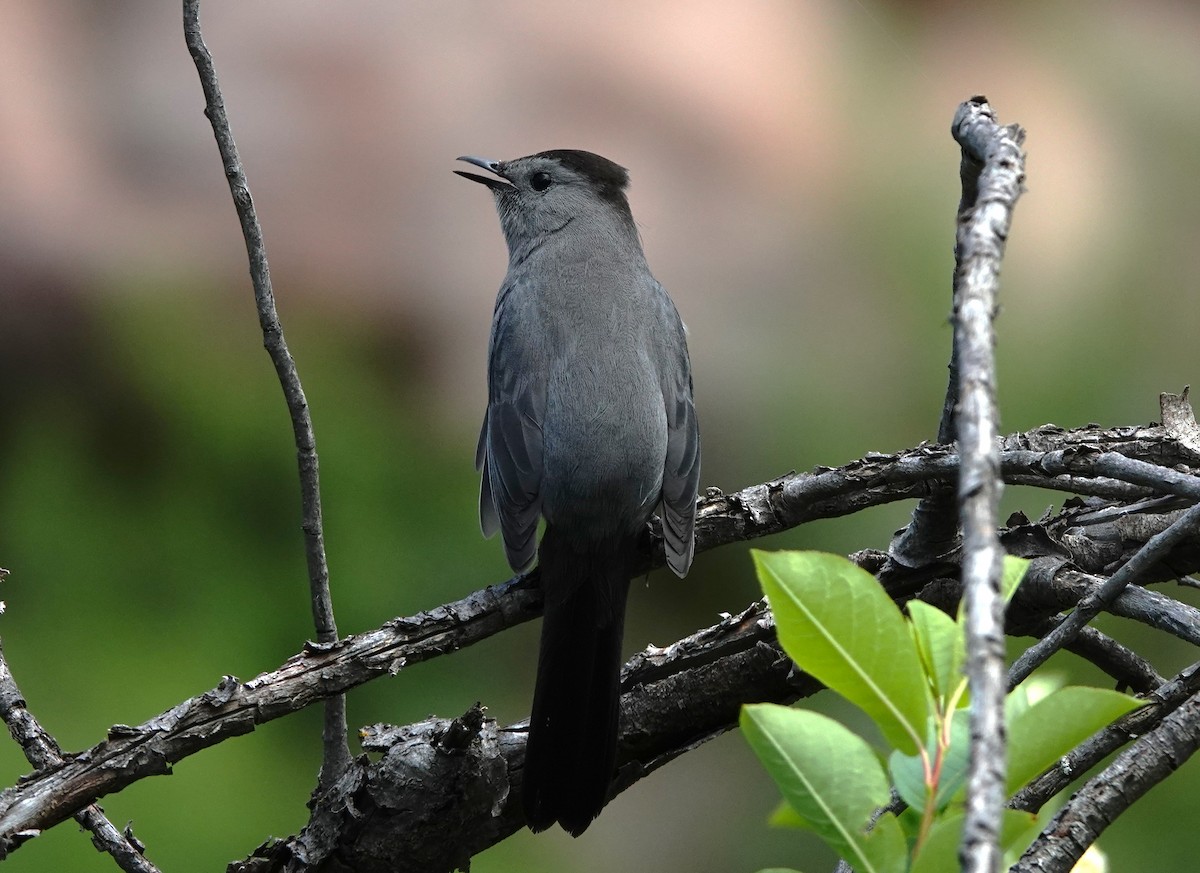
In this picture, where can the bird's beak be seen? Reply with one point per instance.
(489, 165)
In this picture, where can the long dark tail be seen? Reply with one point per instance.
(571, 752)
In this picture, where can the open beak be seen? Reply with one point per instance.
(489, 165)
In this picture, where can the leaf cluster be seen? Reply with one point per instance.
(901, 808)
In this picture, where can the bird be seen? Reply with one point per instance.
(590, 426)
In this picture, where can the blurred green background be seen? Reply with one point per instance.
(795, 185)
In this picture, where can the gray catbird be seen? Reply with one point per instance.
(590, 424)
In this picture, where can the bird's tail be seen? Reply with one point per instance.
(571, 751)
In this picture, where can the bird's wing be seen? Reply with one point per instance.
(681, 473)
(509, 454)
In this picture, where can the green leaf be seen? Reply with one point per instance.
(908, 778)
(908, 771)
(939, 853)
(886, 848)
(910, 821)
(1047, 730)
(1012, 571)
(940, 644)
(1014, 840)
(838, 624)
(1011, 574)
(955, 759)
(1032, 690)
(832, 780)
(786, 817)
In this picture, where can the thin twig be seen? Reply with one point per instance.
(43, 753)
(1139, 472)
(1066, 588)
(1126, 666)
(933, 530)
(992, 174)
(1146, 557)
(336, 750)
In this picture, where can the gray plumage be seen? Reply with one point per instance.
(591, 425)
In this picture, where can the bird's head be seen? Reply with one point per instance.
(541, 194)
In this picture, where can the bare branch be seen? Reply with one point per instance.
(1049, 457)
(1027, 617)
(1165, 700)
(1055, 584)
(1099, 599)
(1126, 666)
(674, 698)
(234, 708)
(43, 753)
(1179, 418)
(993, 171)
(1152, 758)
(453, 786)
(336, 751)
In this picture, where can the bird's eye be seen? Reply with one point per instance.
(539, 181)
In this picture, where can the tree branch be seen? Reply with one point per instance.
(1153, 552)
(234, 708)
(336, 755)
(1087, 460)
(446, 790)
(42, 751)
(1053, 583)
(1163, 701)
(993, 172)
(1129, 669)
(1152, 758)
